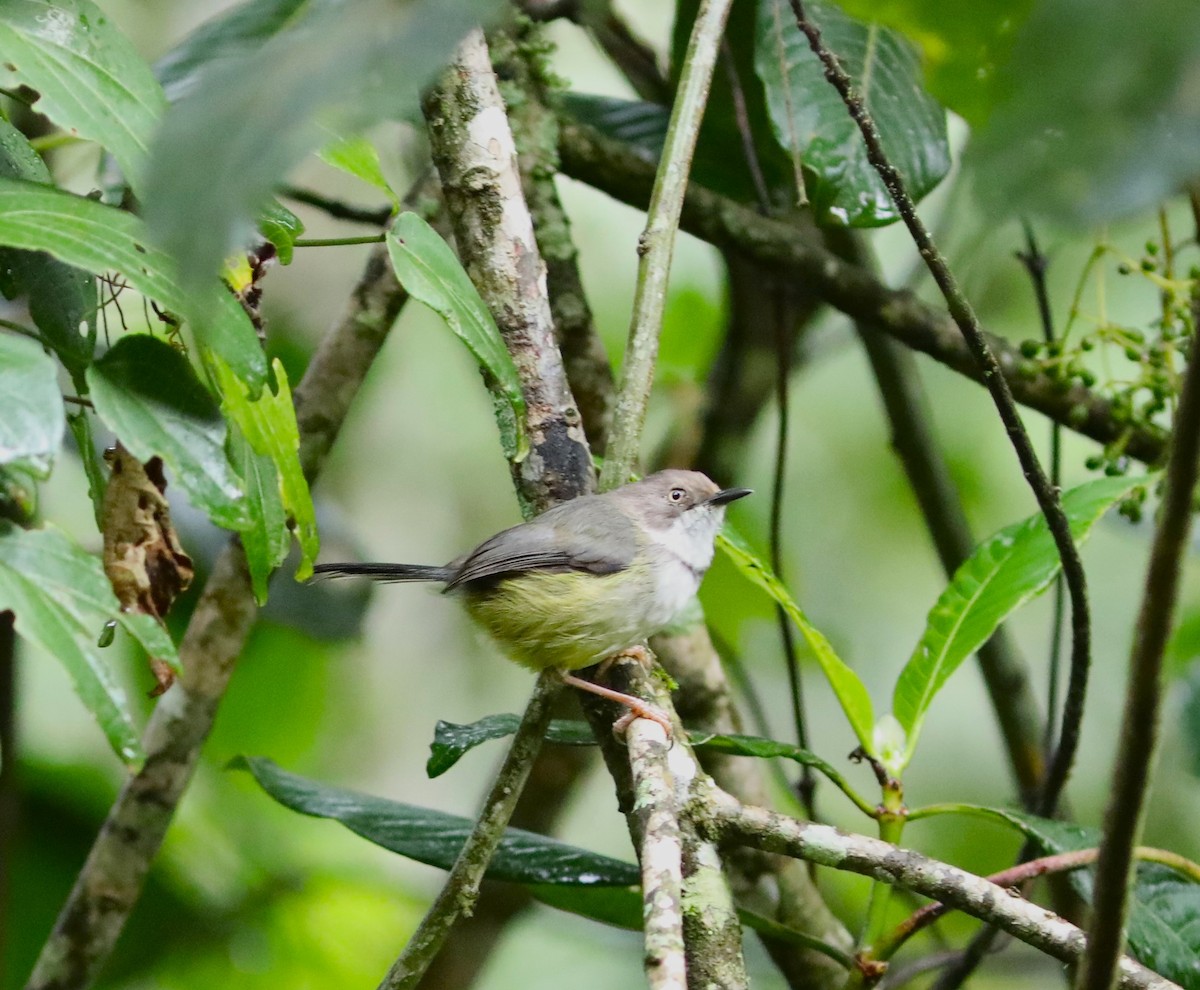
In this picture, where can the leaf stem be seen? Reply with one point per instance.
(309, 242)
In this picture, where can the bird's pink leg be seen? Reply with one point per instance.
(637, 707)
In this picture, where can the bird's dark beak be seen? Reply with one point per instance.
(727, 495)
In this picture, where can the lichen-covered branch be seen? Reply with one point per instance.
(776, 887)
(734, 822)
(618, 170)
(655, 816)
(476, 158)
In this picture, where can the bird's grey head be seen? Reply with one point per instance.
(684, 509)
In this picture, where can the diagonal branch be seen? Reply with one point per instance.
(616, 169)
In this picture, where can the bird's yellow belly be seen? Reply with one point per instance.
(571, 619)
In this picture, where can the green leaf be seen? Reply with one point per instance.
(357, 156)
(31, 426)
(268, 424)
(61, 600)
(265, 538)
(1115, 138)
(637, 123)
(89, 78)
(620, 907)
(212, 169)
(434, 837)
(237, 32)
(149, 396)
(850, 691)
(814, 127)
(282, 228)
(965, 45)
(62, 300)
(100, 239)
(1164, 912)
(452, 741)
(428, 269)
(1003, 573)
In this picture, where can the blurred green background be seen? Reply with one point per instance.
(250, 894)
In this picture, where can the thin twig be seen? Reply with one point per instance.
(616, 169)
(1143, 696)
(657, 243)
(1036, 264)
(996, 384)
(461, 886)
(338, 210)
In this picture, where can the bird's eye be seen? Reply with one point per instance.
(677, 494)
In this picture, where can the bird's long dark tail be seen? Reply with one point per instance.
(386, 572)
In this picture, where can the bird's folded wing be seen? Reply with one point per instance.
(586, 534)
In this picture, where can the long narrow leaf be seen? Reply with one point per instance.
(1002, 574)
(428, 269)
(849, 689)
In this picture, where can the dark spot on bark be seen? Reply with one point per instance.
(568, 466)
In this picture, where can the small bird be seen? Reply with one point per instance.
(587, 581)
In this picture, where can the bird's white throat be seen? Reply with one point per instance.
(690, 536)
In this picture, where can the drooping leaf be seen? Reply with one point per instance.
(814, 127)
(428, 269)
(849, 689)
(212, 169)
(265, 538)
(100, 239)
(434, 837)
(1003, 573)
(148, 395)
(452, 741)
(1115, 138)
(268, 425)
(62, 600)
(61, 299)
(89, 79)
(1164, 915)
(965, 45)
(31, 425)
(641, 125)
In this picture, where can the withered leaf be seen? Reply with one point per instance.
(143, 557)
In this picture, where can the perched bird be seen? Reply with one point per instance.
(587, 581)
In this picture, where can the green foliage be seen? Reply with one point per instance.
(451, 742)
(435, 838)
(813, 125)
(62, 299)
(1003, 573)
(281, 227)
(964, 43)
(357, 156)
(269, 448)
(212, 170)
(1164, 911)
(431, 274)
(1084, 133)
(62, 599)
(32, 425)
(149, 396)
(99, 238)
(86, 74)
(851, 693)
